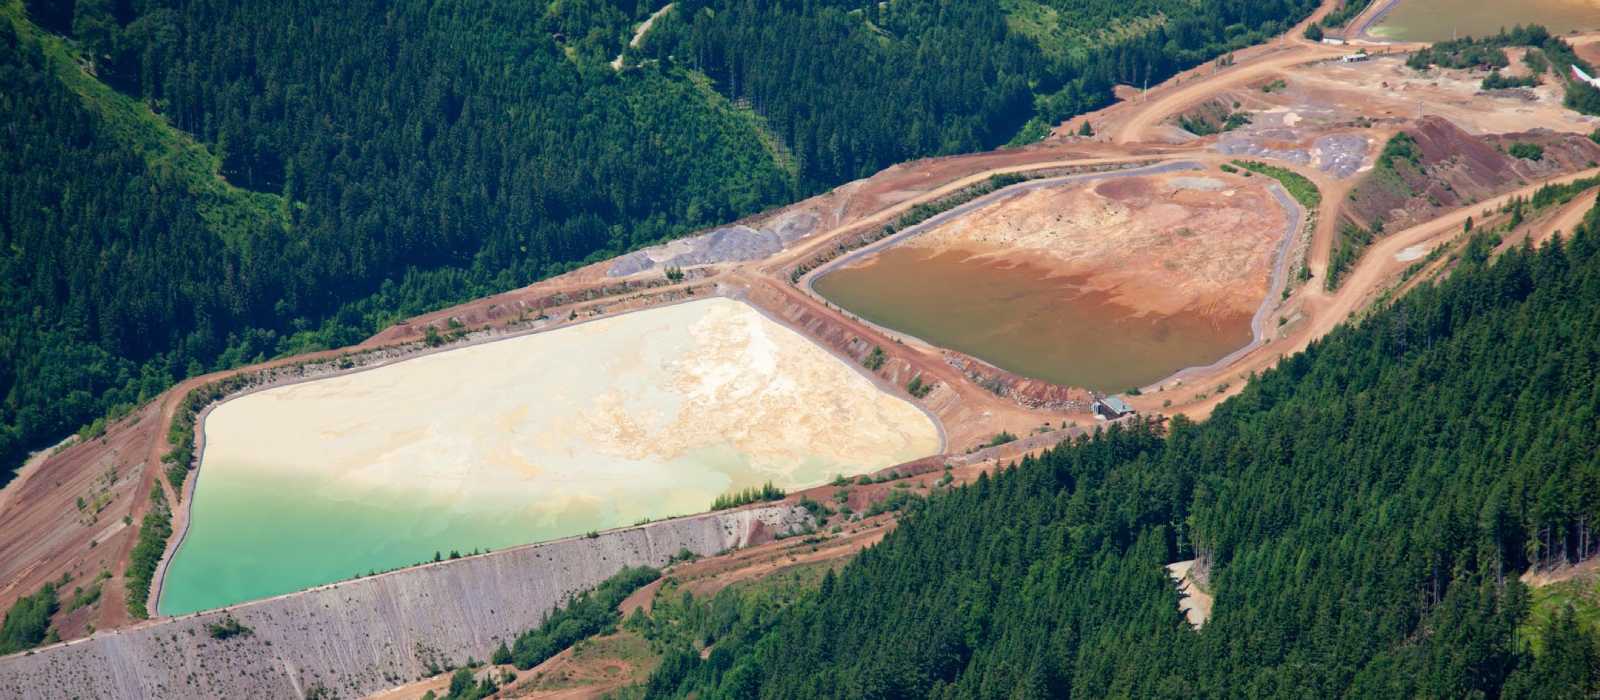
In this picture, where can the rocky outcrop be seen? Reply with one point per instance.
(361, 636)
(734, 243)
(1032, 393)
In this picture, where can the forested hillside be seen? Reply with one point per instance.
(192, 184)
(853, 86)
(1364, 511)
(383, 160)
(108, 249)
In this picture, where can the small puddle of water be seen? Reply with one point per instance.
(1022, 319)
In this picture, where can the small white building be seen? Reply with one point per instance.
(1332, 41)
(1354, 57)
(1111, 408)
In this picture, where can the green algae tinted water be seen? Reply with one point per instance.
(1022, 319)
(254, 536)
(644, 415)
(1438, 20)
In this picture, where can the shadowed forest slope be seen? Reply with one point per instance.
(1362, 511)
(853, 86)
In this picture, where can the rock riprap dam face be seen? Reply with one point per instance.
(600, 425)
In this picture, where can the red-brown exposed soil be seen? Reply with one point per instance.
(1198, 241)
(1457, 168)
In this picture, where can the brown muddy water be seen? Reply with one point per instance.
(1022, 318)
(1438, 20)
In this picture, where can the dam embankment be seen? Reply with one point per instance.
(361, 636)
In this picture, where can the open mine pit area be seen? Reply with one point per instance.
(1307, 112)
(1185, 254)
(1329, 114)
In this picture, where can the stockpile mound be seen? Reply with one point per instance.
(1435, 166)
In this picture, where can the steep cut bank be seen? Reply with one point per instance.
(1435, 166)
(362, 636)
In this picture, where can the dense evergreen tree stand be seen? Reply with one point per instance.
(1364, 509)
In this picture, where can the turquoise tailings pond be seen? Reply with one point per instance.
(600, 425)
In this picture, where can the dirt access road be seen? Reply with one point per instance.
(643, 29)
(1376, 270)
(1563, 221)
(1137, 122)
(1159, 105)
(1138, 116)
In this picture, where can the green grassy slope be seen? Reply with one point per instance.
(88, 175)
(126, 123)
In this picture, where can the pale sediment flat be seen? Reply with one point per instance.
(599, 425)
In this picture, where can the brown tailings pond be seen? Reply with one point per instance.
(1439, 20)
(1105, 282)
(1028, 320)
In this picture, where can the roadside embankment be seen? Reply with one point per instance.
(361, 636)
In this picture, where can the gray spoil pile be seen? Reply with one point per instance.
(1253, 144)
(358, 637)
(737, 243)
(1340, 155)
(1523, 94)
